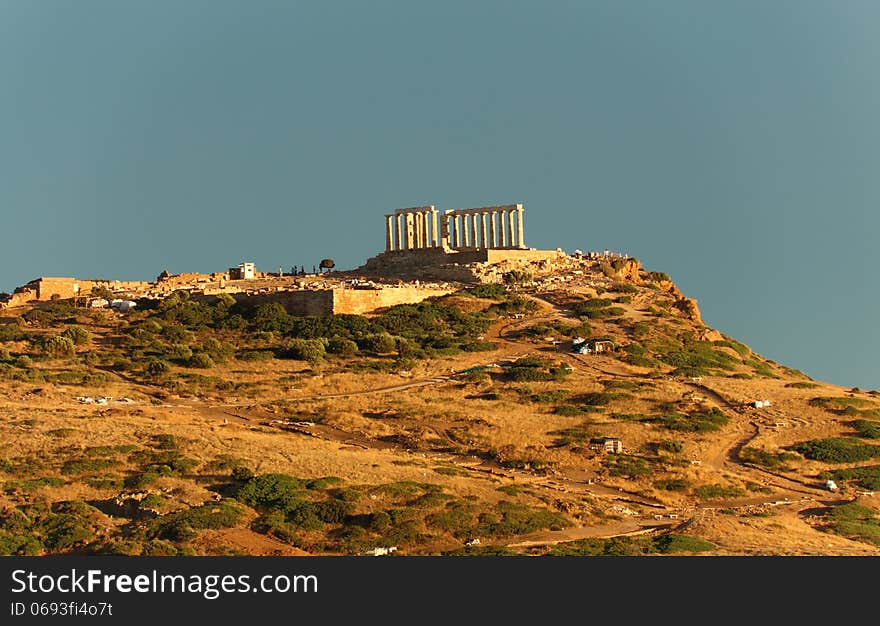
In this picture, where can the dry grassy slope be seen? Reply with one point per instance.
(482, 438)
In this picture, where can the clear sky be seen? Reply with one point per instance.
(734, 145)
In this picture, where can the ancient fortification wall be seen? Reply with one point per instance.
(459, 265)
(337, 301)
(359, 301)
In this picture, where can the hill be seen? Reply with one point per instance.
(462, 424)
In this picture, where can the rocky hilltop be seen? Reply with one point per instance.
(543, 404)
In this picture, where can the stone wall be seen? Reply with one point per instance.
(458, 265)
(360, 301)
(338, 301)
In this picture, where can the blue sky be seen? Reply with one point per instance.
(733, 145)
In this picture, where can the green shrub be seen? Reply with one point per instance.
(256, 355)
(184, 525)
(675, 544)
(201, 360)
(671, 446)
(536, 369)
(516, 276)
(672, 484)
(156, 368)
(704, 421)
(837, 450)
(802, 384)
(342, 346)
(274, 491)
(77, 334)
(380, 343)
(58, 347)
(843, 405)
(866, 429)
(717, 492)
(492, 292)
(479, 346)
(765, 458)
(625, 288)
(626, 466)
(23, 362)
(855, 521)
(178, 352)
(867, 477)
(557, 395)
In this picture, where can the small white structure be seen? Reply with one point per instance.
(122, 305)
(99, 303)
(830, 485)
(244, 271)
(472, 542)
(379, 551)
(760, 404)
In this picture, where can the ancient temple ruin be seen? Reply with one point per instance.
(482, 228)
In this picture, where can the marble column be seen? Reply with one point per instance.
(410, 231)
(434, 228)
(502, 229)
(472, 222)
(389, 234)
(483, 233)
(511, 243)
(492, 234)
(521, 240)
(397, 219)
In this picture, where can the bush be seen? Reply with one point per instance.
(201, 360)
(717, 492)
(156, 368)
(672, 484)
(625, 288)
(24, 362)
(856, 522)
(674, 544)
(183, 525)
(380, 343)
(342, 346)
(273, 491)
(311, 350)
(626, 466)
(702, 422)
(671, 446)
(837, 450)
(765, 458)
(867, 477)
(802, 384)
(77, 334)
(516, 276)
(178, 352)
(58, 347)
(866, 429)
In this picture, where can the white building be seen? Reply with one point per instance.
(244, 271)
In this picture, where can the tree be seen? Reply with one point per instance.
(327, 264)
(312, 350)
(58, 346)
(77, 334)
(101, 291)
